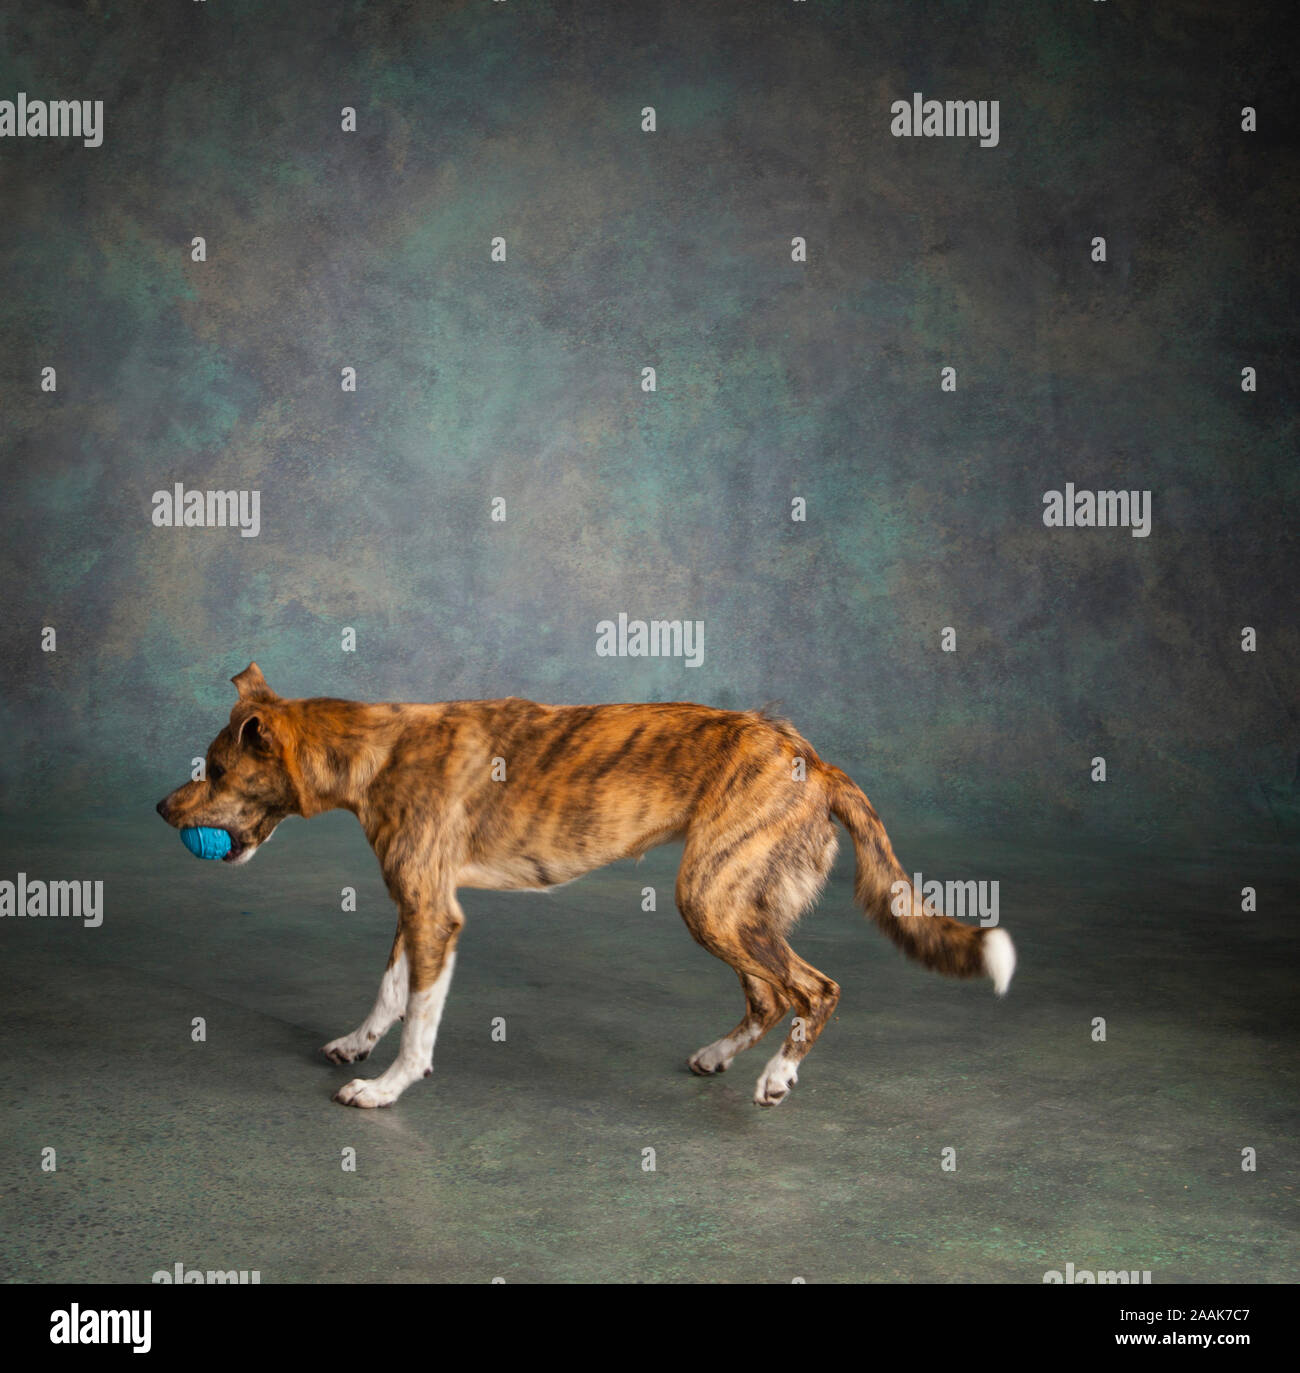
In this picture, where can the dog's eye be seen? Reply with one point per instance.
(216, 772)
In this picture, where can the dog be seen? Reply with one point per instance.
(509, 795)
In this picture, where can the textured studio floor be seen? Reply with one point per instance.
(524, 1160)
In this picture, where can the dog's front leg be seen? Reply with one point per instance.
(390, 1005)
(428, 934)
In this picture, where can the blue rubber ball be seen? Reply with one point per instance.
(206, 843)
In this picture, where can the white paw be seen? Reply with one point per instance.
(367, 1092)
(774, 1086)
(713, 1058)
(349, 1048)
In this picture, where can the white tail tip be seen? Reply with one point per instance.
(999, 959)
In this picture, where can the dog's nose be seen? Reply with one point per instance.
(161, 808)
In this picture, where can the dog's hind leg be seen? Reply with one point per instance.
(764, 1007)
(764, 955)
(390, 1005)
(815, 997)
(429, 943)
(748, 872)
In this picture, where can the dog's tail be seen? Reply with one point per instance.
(912, 923)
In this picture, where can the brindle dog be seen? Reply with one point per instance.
(508, 794)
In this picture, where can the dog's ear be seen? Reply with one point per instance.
(252, 686)
(255, 733)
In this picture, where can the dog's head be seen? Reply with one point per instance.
(247, 788)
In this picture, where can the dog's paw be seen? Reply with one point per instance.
(366, 1092)
(349, 1048)
(709, 1060)
(774, 1086)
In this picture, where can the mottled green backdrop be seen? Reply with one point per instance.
(776, 379)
